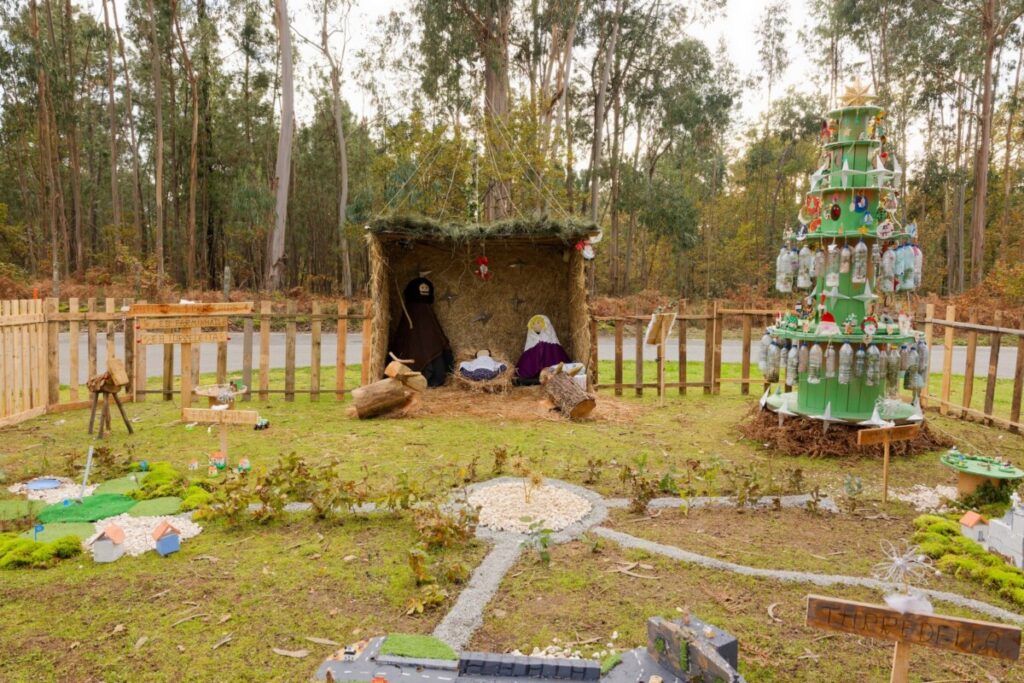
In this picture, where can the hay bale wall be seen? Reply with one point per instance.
(549, 279)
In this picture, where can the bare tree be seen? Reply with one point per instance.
(115, 195)
(158, 96)
(599, 109)
(282, 172)
(132, 138)
(193, 165)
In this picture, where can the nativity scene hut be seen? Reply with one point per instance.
(484, 283)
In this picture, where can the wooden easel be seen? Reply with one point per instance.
(108, 385)
(967, 636)
(885, 436)
(184, 324)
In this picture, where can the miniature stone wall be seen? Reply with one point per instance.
(694, 650)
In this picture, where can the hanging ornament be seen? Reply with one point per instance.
(832, 268)
(869, 326)
(827, 326)
(845, 255)
(850, 323)
(890, 202)
(814, 225)
(803, 277)
(774, 360)
(803, 358)
(792, 360)
(885, 229)
(783, 276)
(845, 173)
(812, 204)
(872, 374)
(860, 360)
(892, 372)
(859, 270)
(586, 249)
(482, 270)
(814, 365)
(845, 363)
(868, 219)
(835, 211)
(830, 362)
(860, 203)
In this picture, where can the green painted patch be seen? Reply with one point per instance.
(610, 662)
(51, 532)
(91, 508)
(122, 485)
(154, 507)
(18, 508)
(410, 645)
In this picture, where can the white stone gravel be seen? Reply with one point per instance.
(68, 489)
(138, 530)
(504, 507)
(925, 499)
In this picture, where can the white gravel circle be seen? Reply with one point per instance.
(503, 507)
(67, 490)
(138, 530)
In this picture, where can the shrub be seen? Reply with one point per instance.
(162, 480)
(439, 528)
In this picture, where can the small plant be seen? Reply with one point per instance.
(163, 479)
(795, 480)
(419, 562)
(813, 504)
(230, 500)
(745, 482)
(439, 528)
(400, 495)
(593, 473)
(431, 596)
(538, 539)
(533, 479)
(643, 489)
(501, 455)
(668, 485)
(455, 571)
(17, 552)
(853, 487)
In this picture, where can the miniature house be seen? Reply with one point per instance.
(168, 539)
(1003, 536)
(108, 545)
(973, 526)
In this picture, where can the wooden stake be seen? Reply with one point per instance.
(900, 658)
(885, 473)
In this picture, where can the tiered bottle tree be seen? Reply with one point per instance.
(847, 349)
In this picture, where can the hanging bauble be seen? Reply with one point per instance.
(835, 211)
(860, 203)
(483, 271)
(586, 249)
(868, 218)
(845, 255)
(890, 203)
(885, 229)
(859, 270)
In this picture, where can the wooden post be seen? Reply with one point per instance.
(619, 325)
(128, 344)
(74, 328)
(141, 371)
(341, 351)
(1018, 385)
(719, 329)
(222, 362)
(639, 358)
(709, 346)
(595, 366)
(291, 310)
(662, 338)
(247, 357)
(168, 372)
(900, 663)
(90, 341)
(52, 355)
(197, 352)
(367, 340)
(745, 362)
(111, 340)
(993, 366)
(186, 376)
(265, 311)
(972, 349)
(885, 436)
(682, 348)
(947, 360)
(314, 351)
(929, 314)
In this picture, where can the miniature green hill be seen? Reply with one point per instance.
(421, 647)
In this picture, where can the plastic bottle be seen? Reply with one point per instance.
(859, 362)
(794, 262)
(883, 364)
(832, 268)
(859, 270)
(845, 363)
(792, 360)
(783, 278)
(871, 375)
(905, 272)
(904, 358)
(803, 358)
(922, 360)
(910, 377)
(762, 359)
(803, 275)
(918, 266)
(814, 365)
(892, 372)
(774, 359)
(845, 255)
(830, 362)
(819, 264)
(876, 258)
(888, 275)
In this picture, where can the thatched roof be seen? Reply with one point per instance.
(538, 229)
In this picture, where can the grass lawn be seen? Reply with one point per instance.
(273, 585)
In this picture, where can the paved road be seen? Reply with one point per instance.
(731, 353)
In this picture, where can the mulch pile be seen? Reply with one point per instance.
(805, 436)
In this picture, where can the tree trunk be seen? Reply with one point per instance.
(193, 164)
(494, 48)
(137, 218)
(339, 129)
(158, 96)
(568, 397)
(984, 148)
(115, 194)
(599, 107)
(282, 172)
(1011, 119)
(380, 397)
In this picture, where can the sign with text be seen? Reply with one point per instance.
(945, 633)
(870, 437)
(224, 417)
(178, 310)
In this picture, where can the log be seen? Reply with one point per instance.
(380, 397)
(567, 395)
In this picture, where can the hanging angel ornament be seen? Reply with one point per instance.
(483, 270)
(860, 203)
(845, 173)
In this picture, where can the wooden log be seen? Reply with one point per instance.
(567, 396)
(380, 397)
(972, 351)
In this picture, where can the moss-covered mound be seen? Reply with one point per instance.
(162, 480)
(18, 508)
(17, 552)
(421, 647)
(122, 485)
(90, 509)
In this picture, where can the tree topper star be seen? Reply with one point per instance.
(857, 94)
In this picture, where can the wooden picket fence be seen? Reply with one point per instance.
(23, 361)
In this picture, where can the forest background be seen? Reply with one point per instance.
(142, 145)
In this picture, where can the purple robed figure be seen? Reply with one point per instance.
(542, 349)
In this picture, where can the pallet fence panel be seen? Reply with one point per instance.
(681, 324)
(314, 352)
(247, 357)
(947, 360)
(36, 369)
(52, 370)
(972, 351)
(5, 382)
(341, 351)
(141, 368)
(289, 350)
(266, 309)
(639, 342)
(618, 357)
(993, 366)
(90, 341)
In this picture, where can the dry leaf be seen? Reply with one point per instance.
(348, 558)
(322, 641)
(223, 641)
(141, 641)
(296, 654)
(223, 618)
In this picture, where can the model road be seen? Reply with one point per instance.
(731, 353)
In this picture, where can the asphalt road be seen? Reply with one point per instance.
(731, 353)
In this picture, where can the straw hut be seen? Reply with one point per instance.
(534, 267)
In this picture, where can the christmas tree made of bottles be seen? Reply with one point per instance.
(847, 348)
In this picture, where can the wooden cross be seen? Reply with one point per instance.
(223, 418)
(885, 436)
(966, 636)
(184, 324)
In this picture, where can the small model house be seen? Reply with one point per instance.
(168, 539)
(973, 526)
(108, 545)
(1003, 536)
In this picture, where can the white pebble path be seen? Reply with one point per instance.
(138, 531)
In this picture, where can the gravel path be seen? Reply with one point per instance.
(630, 541)
(467, 614)
(504, 507)
(698, 502)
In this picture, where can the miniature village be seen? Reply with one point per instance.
(471, 494)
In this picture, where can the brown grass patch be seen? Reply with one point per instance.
(520, 404)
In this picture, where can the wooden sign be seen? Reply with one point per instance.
(149, 324)
(182, 337)
(885, 436)
(659, 328)
(178, 310)
(966, 636)
(871, 437)
(222, 417)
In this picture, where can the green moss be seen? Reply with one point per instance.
(610, 662)
(538, 228)
(411, 645)
(195, 497)
(17, 552)
(90, 509)
(163, 480)
(155, 507)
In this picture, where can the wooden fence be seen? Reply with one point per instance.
(30, 359)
